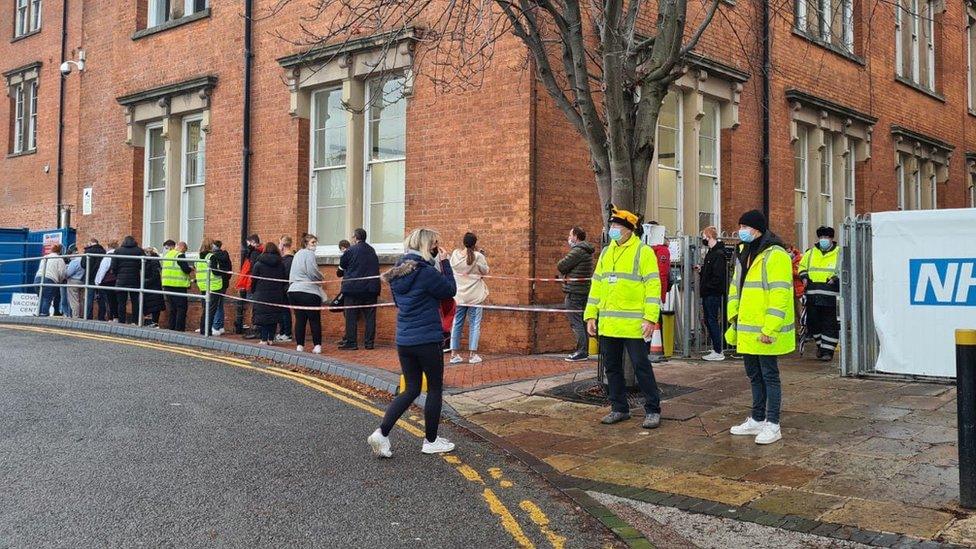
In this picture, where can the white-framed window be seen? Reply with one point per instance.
(328, 200)
(849, 191)
(971, 59)
(829, 21)
(917, 183)
(972, 190)
(23, 96)
(801, 186)
(669, 164)
(193, 181)
(827, 183)
(161, 11)
(28, 17)
(915, 42)
(384, 199)
(709, 186)
(154, 212)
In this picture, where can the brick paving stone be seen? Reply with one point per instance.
(887, 447)
(961, 531)
(563, 462)
(579, 446)
(890, 517)
(797, 502)
(621, 472)
(734, 468)
(712, 488)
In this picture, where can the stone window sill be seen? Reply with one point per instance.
(918, 88)
(829, 47)
(25, 153)
(972, 112)
(385, 259)
(203, 14)
(23, 36)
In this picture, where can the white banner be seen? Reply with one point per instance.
(24, 304)
(924, 266)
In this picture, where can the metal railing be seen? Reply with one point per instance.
(858, 339)
(42, 283)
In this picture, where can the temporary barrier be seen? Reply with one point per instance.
(858, 337)
(13, 245)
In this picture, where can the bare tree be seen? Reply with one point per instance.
(606, 65)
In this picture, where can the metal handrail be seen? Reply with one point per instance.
(142, 290)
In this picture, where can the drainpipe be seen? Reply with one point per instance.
(764, 107)
(246, 126)
(533, 182)
(61, 100)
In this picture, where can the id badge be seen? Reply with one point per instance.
(612, 279)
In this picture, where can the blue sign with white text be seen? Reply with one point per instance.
(946, 282)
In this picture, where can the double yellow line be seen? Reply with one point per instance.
(348, 396)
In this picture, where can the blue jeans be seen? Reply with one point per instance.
(48, 295)
(767, 395)
(712, 309)
(103, 307)
(474, 327)
(217, 322)
(65, 304)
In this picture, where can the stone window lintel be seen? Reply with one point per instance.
(832, 118)
(181, 98)
(31, 71)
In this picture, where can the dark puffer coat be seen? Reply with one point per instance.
(127, 270)
(268, 291)
(578, 263)
(418, 288)
(153, 303)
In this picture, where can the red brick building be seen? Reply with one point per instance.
(861, 119)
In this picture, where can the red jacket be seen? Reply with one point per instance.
(663, 254)
(244, 281)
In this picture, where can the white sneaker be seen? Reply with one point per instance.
(769, 434)
(317, 349)
(282, 338)
(380, 444)
(714, 357)
(749, 427)
(300, 349)
(439, 446)
(219, 332)
(456, 359)
(197, 331)
(475, 359)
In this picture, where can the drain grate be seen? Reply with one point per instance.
(591, 391)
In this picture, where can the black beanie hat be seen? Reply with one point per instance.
(825, 231)
(754, 219)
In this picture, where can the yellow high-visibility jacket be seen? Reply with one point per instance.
(172, 275)
(626, 290)
(203, 267)
(819, 267)
(763, 304)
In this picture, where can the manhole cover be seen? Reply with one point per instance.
(591, 391)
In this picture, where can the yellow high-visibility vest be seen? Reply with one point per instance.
(763, 304)
(626, 290)
(173, 276)
(820, 267)
(203, 267)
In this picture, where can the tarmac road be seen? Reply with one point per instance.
(110, 442)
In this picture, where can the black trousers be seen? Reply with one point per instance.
(822, 325)
(576, 323)
(176, 307)
(123, 297)
(415, 362)
(612, 350)
(305, 318)
(352, 318)
(112, 297)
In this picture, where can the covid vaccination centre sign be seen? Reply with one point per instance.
(924, 285)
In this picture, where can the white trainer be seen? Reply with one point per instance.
(769, 434)
(456, 359)
(219, 332)
(439, 446)
(282, 338)
(300, 348)
(380, 444)
(714, 357)
(475, 359)
(317, 349)
(749, 427)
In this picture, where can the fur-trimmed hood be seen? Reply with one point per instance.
(405, 268)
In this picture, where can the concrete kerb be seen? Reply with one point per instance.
(378, 379)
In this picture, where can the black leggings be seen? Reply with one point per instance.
(302, 317)
(416, 360)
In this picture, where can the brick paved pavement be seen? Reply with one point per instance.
(877, 455)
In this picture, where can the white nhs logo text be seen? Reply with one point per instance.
(947, 282)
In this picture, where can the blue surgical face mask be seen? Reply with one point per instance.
(615, 233)
(824, 244)
(745, 235)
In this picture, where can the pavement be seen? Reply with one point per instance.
(858, 455)
(106, 441)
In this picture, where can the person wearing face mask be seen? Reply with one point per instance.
(577, 267)
(818, 269)
(623, 307)
(713, 282)
(761, 321)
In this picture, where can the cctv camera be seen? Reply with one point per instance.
(65, 68)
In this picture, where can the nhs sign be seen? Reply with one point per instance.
(947, 282)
